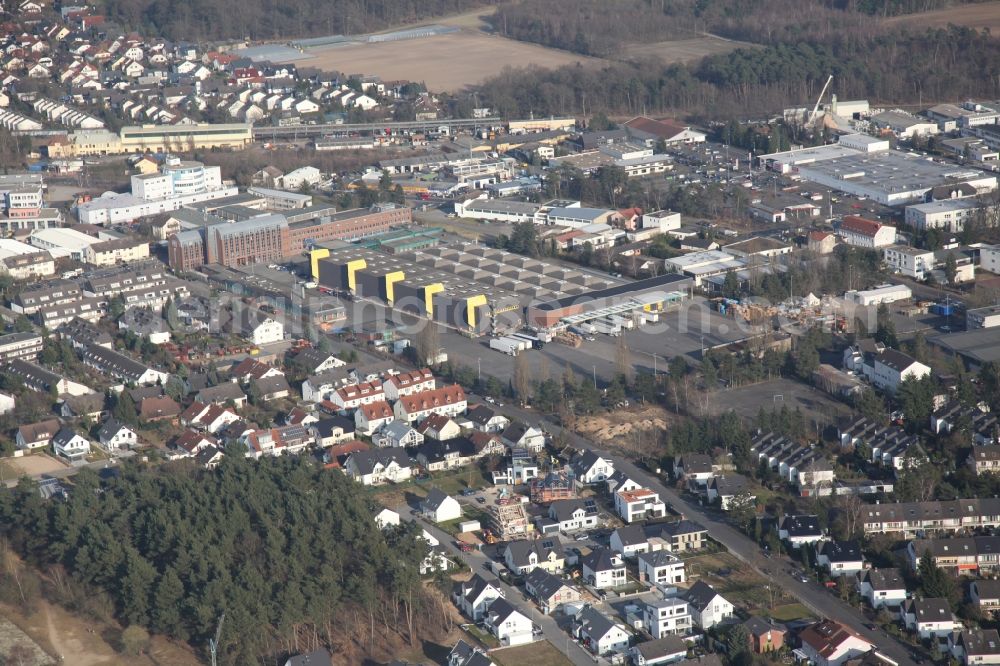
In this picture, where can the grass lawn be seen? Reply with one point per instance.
(452, 482)
(483, 638)
(735, 581)
(789, 612)
(541, 653)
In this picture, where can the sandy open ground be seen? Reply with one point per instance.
(35, 464)
(444, 62)
(985, 15)
(684, 50)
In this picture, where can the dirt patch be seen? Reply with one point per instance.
(84, 642)
(979, 16)
(448, 62)
(17, 647)
(684, 50)
(617, 426)
(35, 465)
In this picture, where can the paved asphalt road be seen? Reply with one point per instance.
(476, 561)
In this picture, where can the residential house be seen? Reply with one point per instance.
(379, 466)
(398, 433)
(840, 558)
(158, 408)
(70, 445)
(521, 436)
(708, 607)
(629, 541)
(603, 568)
(224, 394)
(679, 536)
(641, 504)
(485, 419)
(435, 455)
(507, 624)
(881, 587)
(599, 633)
(259, 328)
(464, 654)
(861, 232)
(320, 387)
(621, 481)
(87, 405)
(115, 436)
(800, 529)
(764, 635)
(408, 383)
(548, 590)
(976, 647)
(891, 368)
(270, 388)
(985, 594)
(830, 643)
(661, 567)
(591, 468)
(386, 518)
(440, 507)
(908, 518)
(36, 435)
(475, 595)
(928, 617)
(212, 418)
(544, 553)
(354, 396)
(447, 400)
(192, 442)
(332, 430)
(440, 427)
(666, 650)
(724, 489)
(666, 617)
(121, 367)
(574, 514)
(695, 468)
(371, 417)
(316, 362)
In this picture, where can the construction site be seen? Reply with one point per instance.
(508, 519)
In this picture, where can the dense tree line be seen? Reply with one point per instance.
(898, 66)
(605, 29)
(261, 19)
(287, 551)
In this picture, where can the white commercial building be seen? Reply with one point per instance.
(179, 183)
(63, 242)
(989, 258)
(497, 210)
(886, 293)
(863, 143)
(909, 261)
(947, 214)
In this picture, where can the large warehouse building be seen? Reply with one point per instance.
(479, 289)
(889, 177)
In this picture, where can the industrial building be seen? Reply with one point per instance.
(479, 289)
(987, 317)
(271, 237)
(156, 139)
(889, 177)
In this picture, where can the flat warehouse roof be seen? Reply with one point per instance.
(672, 280)
(889, 171)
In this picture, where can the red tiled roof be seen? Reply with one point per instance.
(419, 402)
(860, 225)
(376, 410)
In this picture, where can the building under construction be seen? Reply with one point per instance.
(509, 520)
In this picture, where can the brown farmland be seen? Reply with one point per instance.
(447, 62)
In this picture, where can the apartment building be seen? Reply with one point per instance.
(908, 518)
(25, 346)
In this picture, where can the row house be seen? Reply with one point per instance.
(370, 417)
(974, 555)
(408, 383)
(122, 367)
(909, 518)
(448, 400)
(982, 425)
(804, 467)
(352, 397)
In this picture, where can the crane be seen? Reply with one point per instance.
(213, 643)
(820, 98)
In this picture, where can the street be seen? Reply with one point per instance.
(476, 561)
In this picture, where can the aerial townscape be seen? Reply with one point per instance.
(500, 332)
